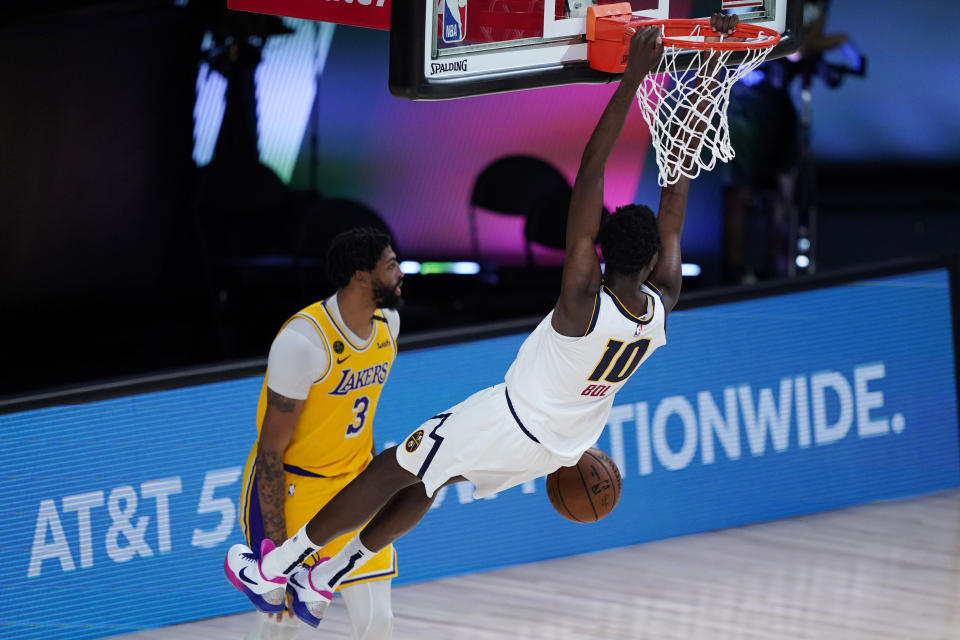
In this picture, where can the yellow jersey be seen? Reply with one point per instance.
(334, 434)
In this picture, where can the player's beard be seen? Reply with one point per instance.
(385, 295)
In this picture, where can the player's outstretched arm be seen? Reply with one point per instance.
(673, 198)
(581, 270)
(666, 276)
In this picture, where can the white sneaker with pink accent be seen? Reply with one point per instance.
(310, 602)
(242, 568)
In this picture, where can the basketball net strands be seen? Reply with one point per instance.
(684, 99)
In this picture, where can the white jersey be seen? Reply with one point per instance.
(561, 388)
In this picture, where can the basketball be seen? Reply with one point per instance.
(588, 491)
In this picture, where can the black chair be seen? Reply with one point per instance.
(523, 186)
(263, 264)
(320, 222)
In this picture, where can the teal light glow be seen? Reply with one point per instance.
(427, 268)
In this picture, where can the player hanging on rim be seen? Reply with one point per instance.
(325, 371)
(557, 394)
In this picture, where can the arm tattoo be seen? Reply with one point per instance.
(281, 403)
(270, 480)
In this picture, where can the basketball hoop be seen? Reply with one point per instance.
(684, 100)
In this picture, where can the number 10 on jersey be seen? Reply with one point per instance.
(617, 363)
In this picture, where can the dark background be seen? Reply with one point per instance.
(125, 247)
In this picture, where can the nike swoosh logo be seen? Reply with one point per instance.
(342, 360)
(245, 578)
(295, 583)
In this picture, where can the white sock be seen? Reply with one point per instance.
(288, 556)
(329, 574)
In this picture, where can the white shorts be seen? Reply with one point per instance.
(480, 439)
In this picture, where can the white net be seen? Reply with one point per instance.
(684, 103)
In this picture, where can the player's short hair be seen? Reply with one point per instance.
(354, 250)
(629, 238)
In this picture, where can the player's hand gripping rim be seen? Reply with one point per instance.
(724, 25)
(646, 49)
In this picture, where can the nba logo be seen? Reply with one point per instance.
(454, 20)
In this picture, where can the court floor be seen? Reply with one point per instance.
(883, 570)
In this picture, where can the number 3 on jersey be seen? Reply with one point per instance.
(627, 362)
(360, 407)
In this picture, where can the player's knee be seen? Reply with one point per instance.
(389, 469)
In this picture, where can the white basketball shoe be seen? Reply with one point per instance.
(309, 601)
(242, 568)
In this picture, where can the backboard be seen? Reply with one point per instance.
(443, 49)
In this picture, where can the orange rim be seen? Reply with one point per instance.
(684, 27)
